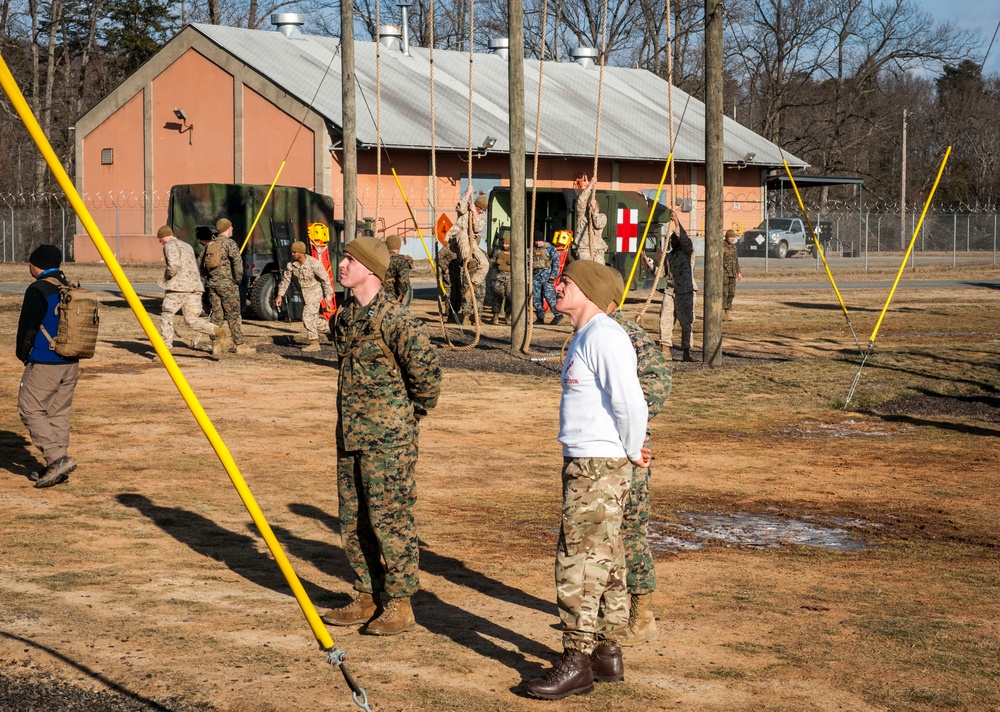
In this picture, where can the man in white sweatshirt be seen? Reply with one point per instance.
(602, 425)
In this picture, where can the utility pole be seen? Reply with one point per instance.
(518, 244)
(349, 133)
(903, 238)
(712, 332)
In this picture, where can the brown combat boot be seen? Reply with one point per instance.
(606, 663)
(396, 618)
(726, 316)
(311, 346)
(641, 621)
(361, 609)
(571, 675)
(244, 350)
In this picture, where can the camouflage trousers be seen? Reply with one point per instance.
(461, 299)
(676, 308)
(590, 561)
(312, 319)
(500, 292)
(728, 292)
(377, 493)
(189, 304)
(641, 572)
(540, 286)
(225, 300)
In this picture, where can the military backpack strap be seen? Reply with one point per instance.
(376, 336)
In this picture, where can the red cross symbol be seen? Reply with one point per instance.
(628, 230)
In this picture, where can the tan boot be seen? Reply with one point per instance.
(226, 338)
(311, 346)
(396, 618)
(244, 350)
(217, 347)
(641, 621)
(361, 609)
(726, 316)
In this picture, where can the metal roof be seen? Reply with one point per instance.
(633, 117)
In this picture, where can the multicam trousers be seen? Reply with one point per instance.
(639, 563)
(590, 560)
(225, 300)
(679, 307)
(377, 492)
(188, 303)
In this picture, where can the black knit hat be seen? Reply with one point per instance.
(46, 257)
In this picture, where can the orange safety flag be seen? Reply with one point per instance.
(442, 227)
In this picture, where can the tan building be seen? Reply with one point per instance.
(223, 105)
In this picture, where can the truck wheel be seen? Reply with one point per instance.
(262, 294)
(782, 251)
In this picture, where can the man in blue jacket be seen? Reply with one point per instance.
(49, 380)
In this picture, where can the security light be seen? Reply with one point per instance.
(489, 143)
(749, 157)
(179, 113)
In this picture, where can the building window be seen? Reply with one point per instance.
(107, 156)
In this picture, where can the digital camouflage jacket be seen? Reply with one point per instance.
(655, 371)
(389, 374)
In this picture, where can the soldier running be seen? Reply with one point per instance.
(224, 284)
(183, 290)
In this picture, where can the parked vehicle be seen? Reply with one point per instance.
(779, 237)
(286, 218)
(555, 211)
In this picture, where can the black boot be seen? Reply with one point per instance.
(570, 676)
(606, 663)
(687, 355)
(557, 319)
(539, 320)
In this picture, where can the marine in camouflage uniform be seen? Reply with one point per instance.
(499, 281)
(389, 378)
(544, 271)
(314, 282)
(463, 240)
(678, 297)
(589, 226)
(182, 288)
(730, 271)
(397, 279)
(223, 284)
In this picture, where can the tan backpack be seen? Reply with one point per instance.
(212, 256)
(79, 320)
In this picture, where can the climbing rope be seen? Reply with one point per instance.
(378, 112)
(597, 130)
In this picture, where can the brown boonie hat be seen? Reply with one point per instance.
(223, 224)
(164, 231)
(299, 246)
(371, 252)
(593, 279)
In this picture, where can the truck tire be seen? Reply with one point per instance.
(782, 250)
(262, 293)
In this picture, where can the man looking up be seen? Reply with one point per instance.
(602, 425)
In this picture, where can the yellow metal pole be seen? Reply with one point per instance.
(262, 205)
(13, 92)
(417, 225)
(812, 232)
(909, 249)
(649, 221)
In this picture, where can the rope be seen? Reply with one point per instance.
(378, 112)
(659, 272)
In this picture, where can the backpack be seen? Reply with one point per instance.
(212, 256)
(79, 320)
(377, 319)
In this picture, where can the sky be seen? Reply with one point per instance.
(980, 16)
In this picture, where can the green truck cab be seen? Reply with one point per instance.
(555, 209)
(287, 215)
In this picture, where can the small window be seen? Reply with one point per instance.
(107, 156)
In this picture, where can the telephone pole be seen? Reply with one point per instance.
(903, 237)
(349, 133)
(712, 332)
(518, 245)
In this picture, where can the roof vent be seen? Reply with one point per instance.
(288, 23)
(388, 36)
(585, 56)
(500, 46)
(405, 25)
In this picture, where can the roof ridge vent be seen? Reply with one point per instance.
(500, 46)
(586, 57)
(288, 23)
(389, 37)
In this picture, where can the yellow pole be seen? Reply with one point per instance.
(909, 249)
(812, 232)
(262, 205)
(13, 92)
(417, 225)
(649, 221)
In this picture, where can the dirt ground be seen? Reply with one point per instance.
(142, 583)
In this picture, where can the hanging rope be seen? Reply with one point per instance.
(597, 129)
(378, 112)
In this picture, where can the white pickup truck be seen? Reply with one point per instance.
(783, 237)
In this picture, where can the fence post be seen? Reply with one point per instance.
(867, 215)
(954, 238)
(994, 239)
(118, 232)
(968, 219)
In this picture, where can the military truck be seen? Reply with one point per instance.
(555, 210)
(286, 218)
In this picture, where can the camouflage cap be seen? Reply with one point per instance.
(593, 279)
(223, 224)
(393, 242)
(299, 246)
(164, 231)
(371, 252)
